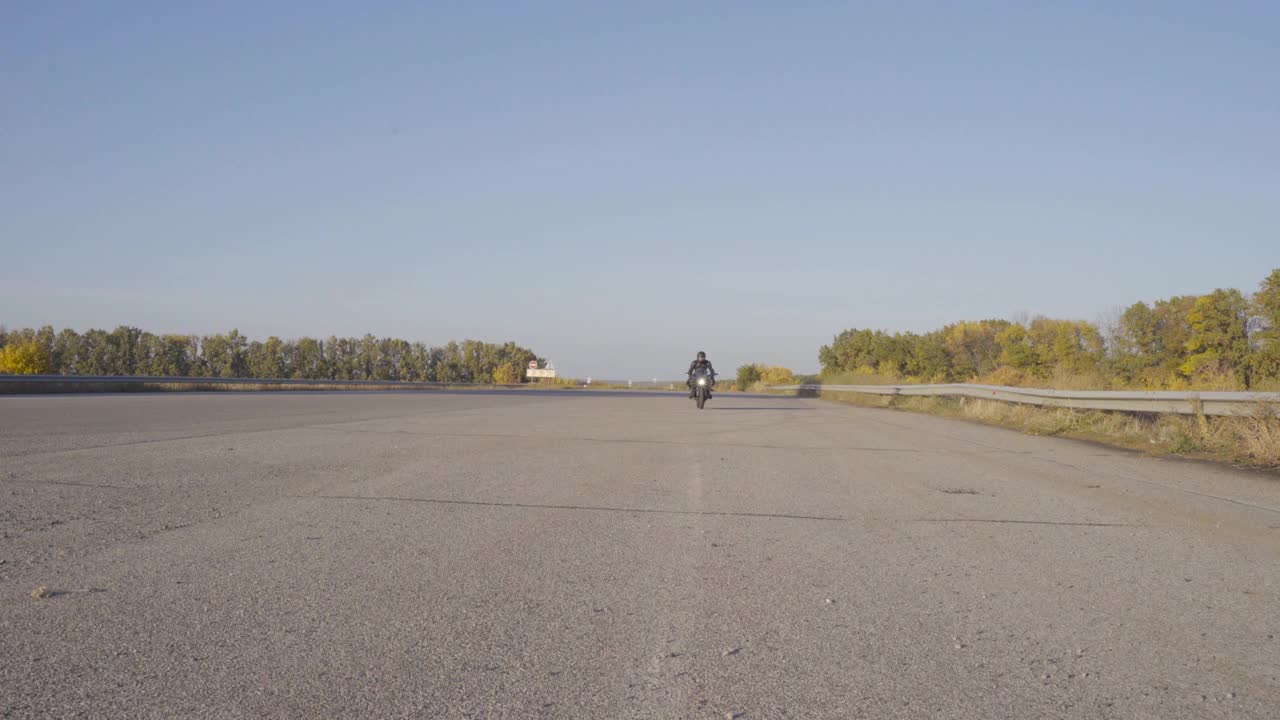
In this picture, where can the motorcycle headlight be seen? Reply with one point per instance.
(702, 381)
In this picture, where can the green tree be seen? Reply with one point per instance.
(1151, 344)
(1017, 352)
(748, 375)
(1266, 301)
(394, 360)
(93, 358)
(1266, 340)
(306, 359)
(973, 346)
(1173, 327)
(66, 353)
(224, 355)
(930, 360)
(1137, 348)
(1219, 342)
(342, 358)
(449, 364)
(130, 351)
(266, 360)
(366, 365)
(120, 351)
(174, 356)
(1076, 346)
(47, 339)
(423, 370)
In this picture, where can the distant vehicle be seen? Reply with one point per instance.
(701, 386)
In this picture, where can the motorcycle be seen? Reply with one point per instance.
(702, 382)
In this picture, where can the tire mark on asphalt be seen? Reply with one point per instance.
(1029, 522)
(1154, 483)
(698, 443)
(593, 508)
(1087, 471)
(764, 428)
(68, 482)
(338, 427)
(200, 436)
(664, 695)
(130, 443)
(1091, 474)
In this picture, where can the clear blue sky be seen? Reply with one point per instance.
(620, 187)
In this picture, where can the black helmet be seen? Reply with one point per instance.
(702, 355)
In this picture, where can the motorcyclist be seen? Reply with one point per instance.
(699, 364)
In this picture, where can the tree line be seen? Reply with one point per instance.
(130, 351)
(1223, 340)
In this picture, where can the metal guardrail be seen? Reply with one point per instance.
(49, 384)
(1152, 401)
(43, 384)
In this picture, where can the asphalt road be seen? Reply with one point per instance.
(577, 556)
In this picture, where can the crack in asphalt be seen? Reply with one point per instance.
(661, 511)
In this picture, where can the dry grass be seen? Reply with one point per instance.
(1260, 437)
(869, 378)
(1266, 385)
(1252, 440)
(1062, 379)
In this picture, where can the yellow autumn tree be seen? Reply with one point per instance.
(507, 374)
(777, 375)
(24, 357)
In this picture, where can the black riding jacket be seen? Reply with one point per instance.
(701, 364)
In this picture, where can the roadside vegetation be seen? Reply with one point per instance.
(1225, 340)
(1250, 441)
(757, 376)
(128, 351)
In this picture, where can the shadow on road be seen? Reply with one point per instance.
(771, 409)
